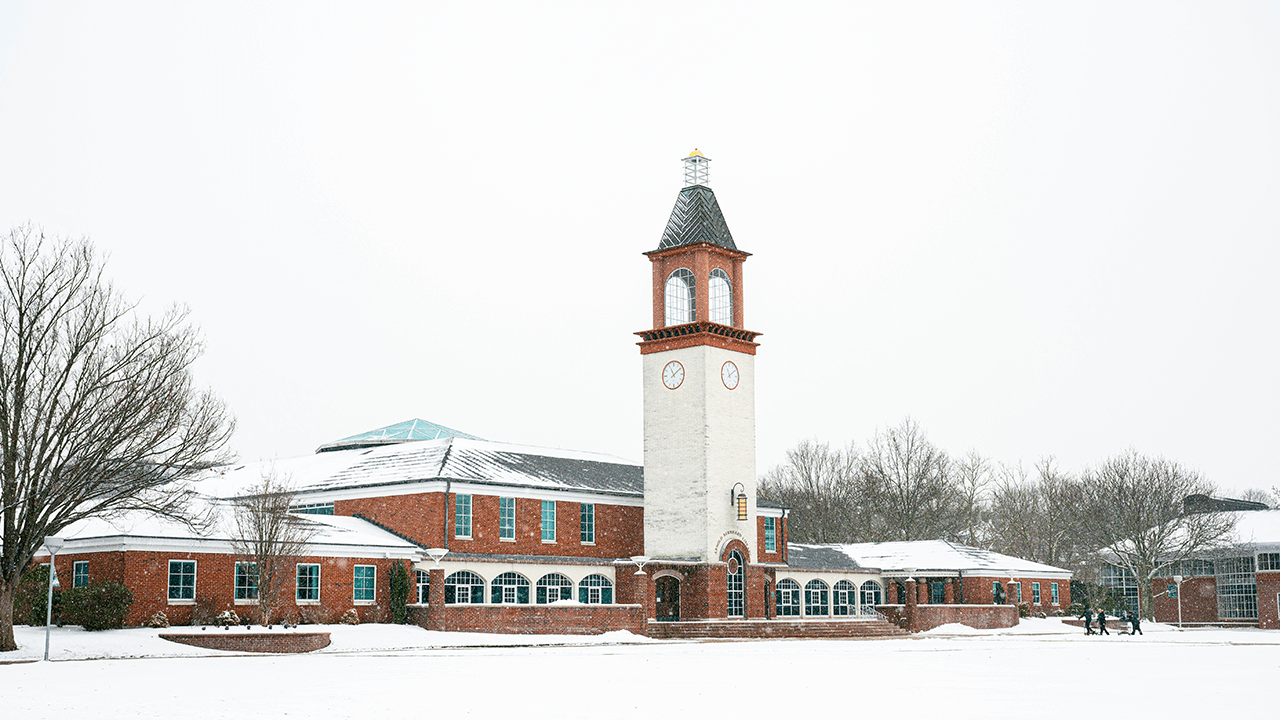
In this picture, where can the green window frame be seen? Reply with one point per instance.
(548, 521)
(1035, 593)
(182, 580)
(1053, 593)
(506, 518)
(462, 516)
(307, 584)
(587, 523)
(770, 535)
(80, 573)
(246, 587)
(363, 579)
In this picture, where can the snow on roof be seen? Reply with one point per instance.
(333, 535)
(1257, 527)
(452, 458)
(924, 555)
(406, 431)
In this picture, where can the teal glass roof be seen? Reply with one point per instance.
(406, 431)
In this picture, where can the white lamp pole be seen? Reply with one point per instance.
(1177, 581)
(54, 544)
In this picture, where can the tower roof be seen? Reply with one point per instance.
(406, 431)
(696, 218)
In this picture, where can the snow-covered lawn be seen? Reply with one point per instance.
(1039, 669)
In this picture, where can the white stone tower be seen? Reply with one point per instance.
(699, 387)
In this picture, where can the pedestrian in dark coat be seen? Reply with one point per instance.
(1102, 622)
(1135, 620)
(1088, 621)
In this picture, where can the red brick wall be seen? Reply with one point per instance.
(421, 518)
(1268, 612)
(1199, 600)
(780, 551)
(282, 642)
(147, 576)
(536, 619)
(977, 591)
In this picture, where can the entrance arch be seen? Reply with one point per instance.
(667, 598)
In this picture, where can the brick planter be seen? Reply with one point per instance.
(286, 642)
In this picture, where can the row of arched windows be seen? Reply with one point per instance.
(824, 600)
(682, 299)
(467, 588)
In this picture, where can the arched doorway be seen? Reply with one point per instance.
(736, 596)
(667, 598)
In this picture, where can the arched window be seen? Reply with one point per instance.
(788, 598)
(681, 301)
(844, 598)
(720, 296)
(595, 590)
(736, 585)
(464, 588)
(871, 594)
(553, 587)
(815, 597)
(509, 589)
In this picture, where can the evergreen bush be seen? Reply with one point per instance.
(97, 606)
(29, 600)
(400, 588)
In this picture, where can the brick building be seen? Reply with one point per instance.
(513, 538)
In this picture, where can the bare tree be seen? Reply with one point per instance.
(973, 476)
(269, 539)
(1038, 519)
(98, 411)
(816, 482)
(1270, 498)
(909, 483)
(1132, 506)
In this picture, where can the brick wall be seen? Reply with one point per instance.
(978, 591)
(619, 529)
(1199, 600)
(1268, 588)
(780, 550)
(927, 617)
(282, 642)
(533, 619)
(147, 576)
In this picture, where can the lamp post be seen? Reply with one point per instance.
(54, 544)
(1177, 581)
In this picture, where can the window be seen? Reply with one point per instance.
(307, 585)
(463, 588)
(80, 573)
(423, 580)
(1269, 561)
(816, 593)
(595, 590)
(720, 293)
(871, 594)
(362, 583)
(1018, 585)
(182, 580)
(548, 521)
(1035, 593)
(588, 523)
(937, 592)
(736, 594)
(1187, 568)
(509, 589)
(553, 587)
(681, 301)
(1123, 582)
(1053, 593)
(506, 518)
(788, 601)
(995, 590)
(844, 598)
(462, 516)
(770, 535)
(246, 587)
(313, 509)
(1237, 589)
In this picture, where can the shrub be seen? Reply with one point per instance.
(311, 615)
(351, 617)
(205, 611)
(97, 606)
(159, 620)
(1024, 610)
(29, 600)
(227, 618)
(400, 588)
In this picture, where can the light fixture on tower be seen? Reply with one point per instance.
(697, 169)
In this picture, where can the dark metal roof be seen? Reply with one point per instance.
(696, 218)
(819, 557)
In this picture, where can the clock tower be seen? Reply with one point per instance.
(699, 391)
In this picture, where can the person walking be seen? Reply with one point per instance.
(1102, 622)
(1088, 621)
(1135, 623)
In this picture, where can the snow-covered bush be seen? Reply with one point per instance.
(351, 617)
(227, 618)
(1024, 610)
(159, 620)
(97, 606)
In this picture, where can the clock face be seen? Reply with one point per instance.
(729, 375)
(673, 375)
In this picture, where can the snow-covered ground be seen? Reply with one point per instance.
(1042, 668)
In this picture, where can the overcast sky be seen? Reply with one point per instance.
(1038, 229)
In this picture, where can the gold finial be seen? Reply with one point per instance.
(695, 153)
